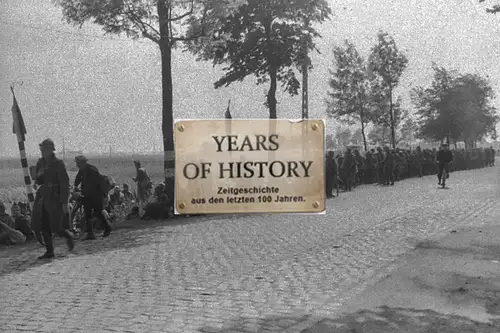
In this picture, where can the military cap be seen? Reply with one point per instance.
(80, 159)
(47, 143)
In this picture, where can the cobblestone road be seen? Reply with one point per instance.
(251, 274)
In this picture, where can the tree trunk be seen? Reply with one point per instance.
(393, 132)
(271, 95)
(362, 118)
(273, 70)
(167, 101)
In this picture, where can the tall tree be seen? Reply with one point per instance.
(159, 21)
(387, 64)
(266, 39)
(348, 99)
(380, 111)
(434, 118)
(456, 108)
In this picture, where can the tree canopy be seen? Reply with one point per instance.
(349, 97)
(267, 39)
(164, 22)
(456, 107)
(386, 64)
(348, 84)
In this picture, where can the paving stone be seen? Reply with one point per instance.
(219, 272)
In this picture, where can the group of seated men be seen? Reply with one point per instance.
(16, 227)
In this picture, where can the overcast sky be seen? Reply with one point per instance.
(96, 92)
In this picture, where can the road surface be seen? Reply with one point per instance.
(261, 273)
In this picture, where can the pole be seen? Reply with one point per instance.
(109, 151)
(64, 150)
(305, 67)
(20, 131)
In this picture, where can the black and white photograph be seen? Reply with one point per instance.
(249, 166)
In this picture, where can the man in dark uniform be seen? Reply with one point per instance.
(443, 158)
(487, 157)
(398, 162)
(360, 164)
(53, 179)
(93, 195)
(331, 174)
(380, 170)
(348, 170)
(418, 162)
(370, 168)
(388, 165)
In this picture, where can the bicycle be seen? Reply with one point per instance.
(444, 175)
(77, 215)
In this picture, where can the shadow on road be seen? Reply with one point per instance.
(267, 324)
(395, 320)
(381, 320)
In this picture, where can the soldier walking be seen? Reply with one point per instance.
(51, 174)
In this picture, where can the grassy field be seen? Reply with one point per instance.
(121, 168)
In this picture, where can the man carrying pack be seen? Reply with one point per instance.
(93, 186)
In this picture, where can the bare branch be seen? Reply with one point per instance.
(202, 33)
(142, 26)
(178, 18)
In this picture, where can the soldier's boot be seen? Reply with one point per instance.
(49, 246)
(107, 223)
(69, 239)
(90, 236)
(90, 230)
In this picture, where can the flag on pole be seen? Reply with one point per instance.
(228, 112)
(19, 129)
(18, 126)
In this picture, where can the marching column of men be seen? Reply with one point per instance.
(386, 166)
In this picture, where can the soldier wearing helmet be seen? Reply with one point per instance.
(52, 205)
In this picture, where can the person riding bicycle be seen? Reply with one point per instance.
(443, 158)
